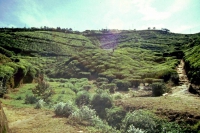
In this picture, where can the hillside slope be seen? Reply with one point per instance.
(129, 57)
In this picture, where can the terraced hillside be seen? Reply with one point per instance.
(44, 42)
(132, 57)
(107, 74)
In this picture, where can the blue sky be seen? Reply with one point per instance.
(179, 16)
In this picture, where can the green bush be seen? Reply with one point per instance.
(158, 89)
(43, 90)
(141, 119)
(41, 87)
(87, 87)
(30, 99)
(132, 129)
(114, 116)
(172, 127)
(135, 82)
(122, 85)
(59, 108)
(82, 98)
(101, 79)
(87, 116)
(100, 101)
(196, 127)
(65, 109)
(111, 87)
(39, 104)
(69, 108)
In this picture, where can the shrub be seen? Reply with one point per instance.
(43, 90)
(59, 109)
(158, 89)
(114, 116)
(41, 87)
(171, 127)
(135, 82)
(69, 108)
(111, 87)
(99, 84)
(101, 79)
(141, 119)
(132, 129)
(30, 99)
(196, 127)
(82, 98)
(100, 101)
(117, 96)
(65, 109)
(87, 116)
(122, 85)
(39, 104)
(87, 87)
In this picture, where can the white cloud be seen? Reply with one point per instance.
(149, 12)
(179, 5)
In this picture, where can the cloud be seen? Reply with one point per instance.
(145, 7)
(179, 5)
(149, 12)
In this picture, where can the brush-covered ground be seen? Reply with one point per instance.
(53, 81)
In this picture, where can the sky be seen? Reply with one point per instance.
(179, 16)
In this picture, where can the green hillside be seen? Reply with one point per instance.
(103, 81)
(131, 56)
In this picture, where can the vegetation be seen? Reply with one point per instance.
(158, 89)
(114, 116)
(86, 77)
(100, 101)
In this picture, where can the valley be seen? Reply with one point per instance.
(51, 80)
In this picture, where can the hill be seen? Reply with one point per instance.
(125, 70)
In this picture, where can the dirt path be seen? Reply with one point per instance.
(182, 89)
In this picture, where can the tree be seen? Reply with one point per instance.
(43, 89)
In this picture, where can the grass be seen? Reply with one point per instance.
(63, 92)
(169, 103)
(20, 95)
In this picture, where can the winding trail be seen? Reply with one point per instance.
(182, 89)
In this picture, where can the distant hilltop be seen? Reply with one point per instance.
(70, 30)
